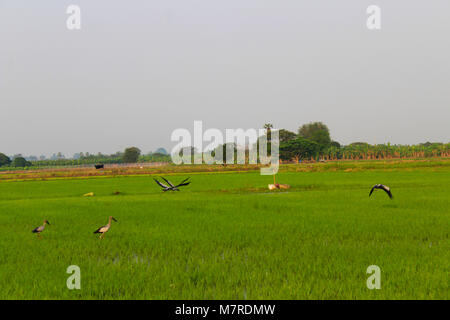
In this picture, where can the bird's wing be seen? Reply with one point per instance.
(35, 230)
(98, 230)
(182, 184)
(371, 191)
(388, 191)
(161, 184)
(185, 180)
(168, 182)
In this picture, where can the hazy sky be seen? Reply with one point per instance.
(137, 70)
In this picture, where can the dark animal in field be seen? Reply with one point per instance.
(382, 187)
(170, 186)
(105, 229)
(39, 229)
(99, 166)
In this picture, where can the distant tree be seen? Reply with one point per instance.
(268, 148)
(131, 155)
(229, 150)
(299, 148)
(317, 132)
(286, 135)
(268, 127)
(188, 152)
(20, 162)
(359, 144)
(4, 160)
(118, 154)
(157, 155)
(335, 144)
(161, 151)
(429, 144)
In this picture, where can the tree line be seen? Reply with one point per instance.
(129, 155)
(311, 142)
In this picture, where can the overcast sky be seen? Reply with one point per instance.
(137, 70)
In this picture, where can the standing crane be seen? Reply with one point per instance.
(39, 229)
(105, 229)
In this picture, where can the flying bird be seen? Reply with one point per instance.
(382, 187)
(99, 166)
(39, 229)
(105, 229)
(170, 186)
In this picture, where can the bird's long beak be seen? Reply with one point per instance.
(114, 219)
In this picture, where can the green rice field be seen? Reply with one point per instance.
(226, 236)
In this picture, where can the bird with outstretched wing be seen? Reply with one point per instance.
(162, 185)
(168, 182)
(183, 183)
(382, 187)
(171, 186)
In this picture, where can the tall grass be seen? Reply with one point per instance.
(226, 237)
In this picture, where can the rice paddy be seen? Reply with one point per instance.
(226, 236)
